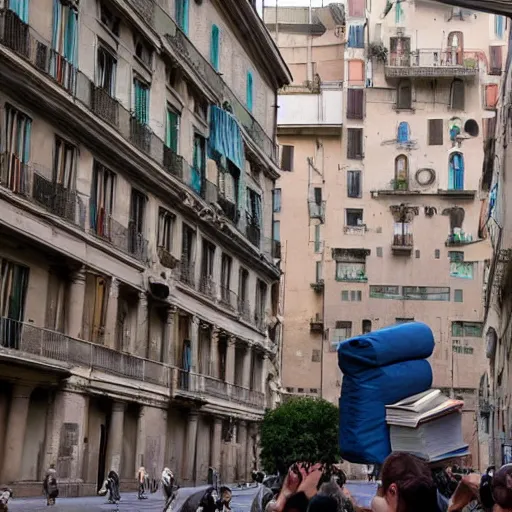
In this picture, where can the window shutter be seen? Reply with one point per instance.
(355, 102)
(496, 60)
(404, 95)
(355, 143)
(457, 95)
(214, 47)
(250, 91)
(354, 184)
(287, 158)
(318, 195)
(435, 132)
(491, 96)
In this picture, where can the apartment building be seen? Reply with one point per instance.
(385, 200)
(139, 279)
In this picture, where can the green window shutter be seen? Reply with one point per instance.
(171, 137)
(215, 47)
(250, 91)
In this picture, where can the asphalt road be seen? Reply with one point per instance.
(362, 491)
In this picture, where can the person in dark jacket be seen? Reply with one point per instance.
(50, 487)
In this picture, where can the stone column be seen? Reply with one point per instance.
(151, 435)
(115, 437)
(190, 448)
(76, 304)
(214, 353)
(141, 343)
(246, 372)
(169, 349)
(216, 440)
(242, 454)
(111, 320)
(252, 431)
(15, 433)
(230, 360)
(194, 342)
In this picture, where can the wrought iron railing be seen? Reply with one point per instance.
(187, 272)
(403, 240)
(104, 105)
(228, 297)
(253, 233)
(208, 287)
(244, 309)
(173, 163)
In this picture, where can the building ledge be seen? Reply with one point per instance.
(362, 280)
(461, 243)
(402, 250)
(449, 194)
(310, 129)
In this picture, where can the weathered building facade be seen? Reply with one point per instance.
(139, 280)
(386, 199)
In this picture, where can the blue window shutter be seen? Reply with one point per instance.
(182, 14)
(214, 47)
(250, 91)
(20, 7)
(28, 133)
(403, 132)
(360, 36)
(456, 172)
(499, 26)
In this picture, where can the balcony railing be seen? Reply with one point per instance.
(402, 243)
(173, 163)
(104, 105)
(57, 346)
(187, 273)
(207, 286)
(210, 192)
(434, 62)
(166, 258)
(28, 340)
(229, 208)
(140, 135)
(244, 309)
(317, 210)
(228, 297)
(253, 233)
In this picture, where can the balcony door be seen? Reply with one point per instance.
(13, 290)
(400, 51)
(455, 48)
(102, 200)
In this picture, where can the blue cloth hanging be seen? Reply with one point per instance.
(356, 36)
(20, 7)
(493, 196)
(226, 138)
(403, 132)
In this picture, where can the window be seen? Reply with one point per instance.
(318, 243)
(188, 240)
(243, 285)
(166, 222)
(102, 200)
(199, 163)
(354, 184)
(351, 271)
(401, 172)
(95, 312)
(355, 72)
(316, 207)
(225, 278)
(106, 73)
(457, 95)
(403, 135)
(342, 332)
(141, 101)
(253, 216)
(467, 329)
(403, 320)
(64, 164)
(64, 42)
(276, 200)
(356, 8)
(136, 227)
(355, 143)
(229, 182)
(456, 172)
(172, 129)
(461, 269)
(250, 91)
(353, 217)
(206, 284)
(318, 271)
(355, 103)
(385, 292)
(426, 293)
(276, 231)
(20, 7)
(417, 253)
(355, 36)
(499, 26)
(111, 21)
(18, 129)
(496, 60)
(400, 51)
(402, 235)
(351, 295)
(181, 12)
(491, 96)
(13, 290)
(366, 326)
(287, 158)
(435, 132)
(455, 48)
(455, 256)
(215, 47)
(261, 302)
(404, 95)
(437, 254)
(379, 252)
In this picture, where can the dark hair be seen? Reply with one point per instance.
(502, 486)
(416, 489)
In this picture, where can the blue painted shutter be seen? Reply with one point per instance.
(499, 26)
(214, 47)
(182, 14)
(403, 132)
(20, 7)
(249, 91)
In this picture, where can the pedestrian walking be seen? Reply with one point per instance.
(50, 487)
(142, 478)
(5, 496)
(112, 487)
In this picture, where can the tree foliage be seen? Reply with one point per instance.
(301, 429)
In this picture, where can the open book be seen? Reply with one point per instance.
(421, 408)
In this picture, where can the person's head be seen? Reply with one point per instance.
(502, 489)
(407, 485)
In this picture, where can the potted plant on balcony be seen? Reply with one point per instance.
(378, 52)
(400, 184)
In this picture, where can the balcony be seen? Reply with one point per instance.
(187, 273)
(316, 325)
(244, 310)
(403, 244)
(104, 105)
(253, 233)
(229, 208)
(428, 63)
(140, 135)
(228, 298)
(311, 113)
(173, 163)
(166, 258)
(317, 211)
(208, 287)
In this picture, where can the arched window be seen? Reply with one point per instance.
(457, 95)
(455, 48)
(401, 172)
(404, 95)
(404, 133)
(456, 172)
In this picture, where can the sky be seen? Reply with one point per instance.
(287, 3)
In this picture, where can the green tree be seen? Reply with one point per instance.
(299, 430)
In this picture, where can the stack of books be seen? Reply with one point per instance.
(428, 425)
